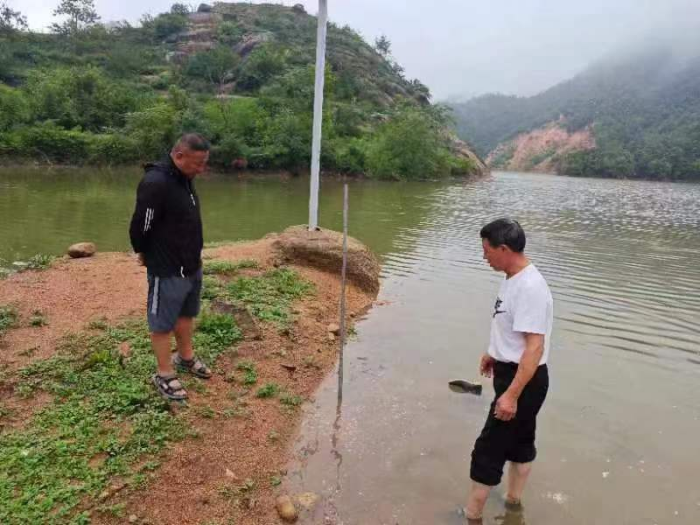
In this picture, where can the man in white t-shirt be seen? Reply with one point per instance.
(521, 326)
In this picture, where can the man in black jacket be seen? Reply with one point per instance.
(166, 233)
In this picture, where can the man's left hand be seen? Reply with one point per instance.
(506, 407)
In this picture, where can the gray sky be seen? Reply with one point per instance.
(461, 48)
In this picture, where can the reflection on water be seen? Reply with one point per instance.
(618, 433)
(46, 212)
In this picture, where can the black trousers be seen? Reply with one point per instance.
(513, 440)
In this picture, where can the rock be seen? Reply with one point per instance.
(323, 249)
(250, 42)
(308, 499)
(82, 249)
(125, 350)
(244, 319)
(133, 518)
(334, 329)
(289, 367)
(461, 149)
(231, 475)
(286, 509)
(331, 337)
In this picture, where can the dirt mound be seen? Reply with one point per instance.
(323, 249)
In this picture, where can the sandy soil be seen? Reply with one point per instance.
(200, 478)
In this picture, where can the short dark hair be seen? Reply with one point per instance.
(192, 142)
(504, 232)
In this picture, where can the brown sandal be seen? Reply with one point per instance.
(194, 366)
(169, 387)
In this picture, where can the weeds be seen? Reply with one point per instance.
(268, 390)
(219, 267)
(38, 319)
(291, 400)
(8, 318)
(103, 406)
(250, 375)
(40, 262)
(269, 297)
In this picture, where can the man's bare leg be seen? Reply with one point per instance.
(183, 335)
(161, 348)
(476, 501)
(517, 477)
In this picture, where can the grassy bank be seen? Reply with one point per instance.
(102, 435)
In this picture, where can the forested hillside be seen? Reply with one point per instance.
(642, 108)
(241, 74)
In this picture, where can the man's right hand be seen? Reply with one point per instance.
(141, 259)
(486, 365)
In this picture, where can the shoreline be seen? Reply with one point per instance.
(226, 466)
(218, 172)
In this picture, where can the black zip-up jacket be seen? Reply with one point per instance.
(167, 225)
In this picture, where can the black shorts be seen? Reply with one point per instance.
(170, 298)
(513, 440)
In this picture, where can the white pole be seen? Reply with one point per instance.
(343, 278)
(318, 112)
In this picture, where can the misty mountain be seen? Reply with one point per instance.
(641, 111)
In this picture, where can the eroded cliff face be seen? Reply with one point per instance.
(541, 150)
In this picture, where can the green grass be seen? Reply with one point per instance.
(211, 288)
(270, 296)
(291, 400)
(250, 374)
(38, 319)
(40, 262)
(37, 262)
(268, 390)
(8, 318)
(104, 407)
(219, 267)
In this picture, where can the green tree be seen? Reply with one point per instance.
(383, 45)
(216, 65)
(180, 9)
(81, 97)
(166, 25)
(14, 108)
(229, 32)
(11, 20)
(79, 14)
(261, 66)
(409, 146)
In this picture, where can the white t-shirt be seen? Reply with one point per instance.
(524, 304)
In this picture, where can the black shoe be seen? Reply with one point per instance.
(465, 387)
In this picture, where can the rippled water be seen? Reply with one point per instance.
(619, 433)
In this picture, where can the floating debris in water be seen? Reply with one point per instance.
(557, 497)
(605, 474)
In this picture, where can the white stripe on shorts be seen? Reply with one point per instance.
(156, 291)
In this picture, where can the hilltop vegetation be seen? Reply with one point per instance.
(241, 74)
(642, 108)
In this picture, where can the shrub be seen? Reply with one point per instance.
(50, 142)
(113, 149)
